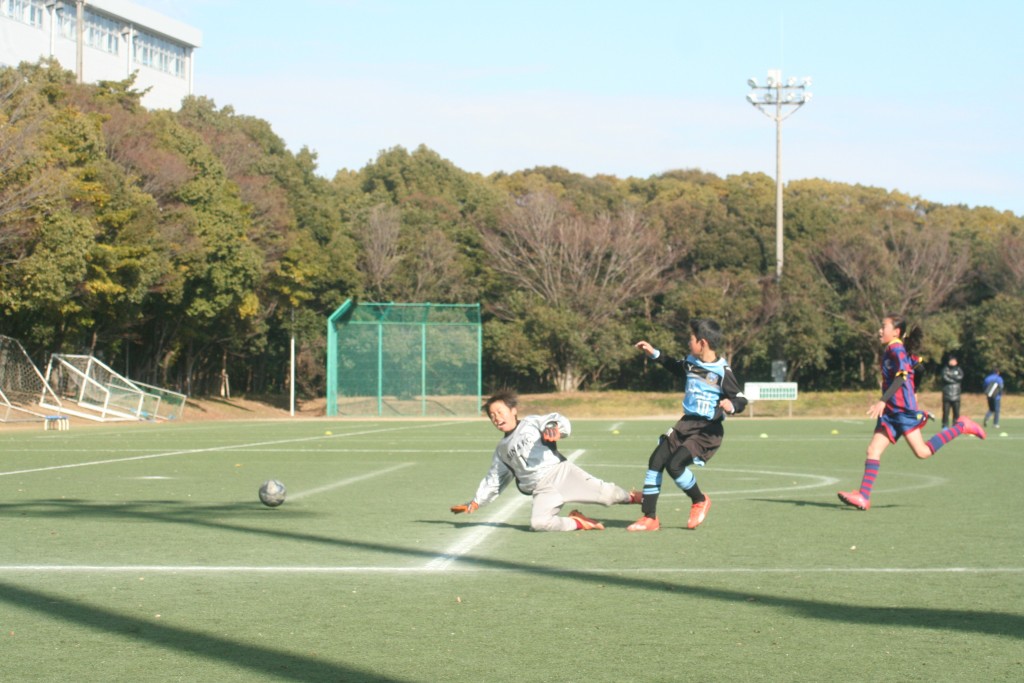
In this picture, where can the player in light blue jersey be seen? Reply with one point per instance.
(712, 392)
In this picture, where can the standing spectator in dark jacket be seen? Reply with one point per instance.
(952, 376)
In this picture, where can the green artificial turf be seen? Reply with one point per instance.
(142, 553)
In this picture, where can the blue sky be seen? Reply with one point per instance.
(922, 97)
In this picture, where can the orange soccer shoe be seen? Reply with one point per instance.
(584, 523)
(645, 524)
(698, 511)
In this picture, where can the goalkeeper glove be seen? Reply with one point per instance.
(469, 508)
(551, 432)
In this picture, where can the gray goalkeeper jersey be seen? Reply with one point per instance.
(522, 456)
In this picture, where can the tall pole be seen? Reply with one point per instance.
(778, 195)
(80, 39)
(778, 100)
(291, 369)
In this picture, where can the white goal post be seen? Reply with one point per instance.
(23, 390)
(90, 384)
(770, 391)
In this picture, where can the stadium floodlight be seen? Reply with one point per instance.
(778, 101)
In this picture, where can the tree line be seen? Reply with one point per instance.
(183, 247)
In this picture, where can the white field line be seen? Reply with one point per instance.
(350, 480)
(427, 569)
(465, 545)
(212, 449)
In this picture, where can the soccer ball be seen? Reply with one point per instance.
(272, 493)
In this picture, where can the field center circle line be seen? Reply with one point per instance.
(928, 481)
(465, 545)
(821, 481)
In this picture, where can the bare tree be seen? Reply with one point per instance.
(380, 256)
(432, 269)
(895, 266)
(593, 266)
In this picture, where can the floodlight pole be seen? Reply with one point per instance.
(778, 100)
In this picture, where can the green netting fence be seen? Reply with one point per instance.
(396, 359)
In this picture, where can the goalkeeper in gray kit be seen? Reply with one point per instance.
(528, 454)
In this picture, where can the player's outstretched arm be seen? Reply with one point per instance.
(552, 432)
(646, 347)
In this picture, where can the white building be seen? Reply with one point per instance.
(117, 38)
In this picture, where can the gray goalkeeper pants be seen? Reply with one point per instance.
(567, 483)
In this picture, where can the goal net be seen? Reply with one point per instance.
(23, 391)
(106, 395)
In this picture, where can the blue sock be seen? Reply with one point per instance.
(652, 490)
(686, 480)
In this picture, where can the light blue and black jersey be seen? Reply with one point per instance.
(703, 387)
(706, 385)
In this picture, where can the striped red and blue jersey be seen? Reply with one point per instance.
(895, 362)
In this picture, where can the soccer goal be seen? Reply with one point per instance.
(23, 390)
(105, 395)
(395, 359)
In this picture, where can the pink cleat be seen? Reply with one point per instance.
(969, 426)
(855, 499)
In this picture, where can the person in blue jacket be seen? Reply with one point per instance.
(994, 394)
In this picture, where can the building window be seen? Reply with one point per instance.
(102, 33)
(99, 32)
(26, 11)
(159, 54)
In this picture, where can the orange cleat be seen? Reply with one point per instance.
(645, 524)
(698, 511)
(584, 523)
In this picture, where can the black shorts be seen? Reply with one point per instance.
(700, 437)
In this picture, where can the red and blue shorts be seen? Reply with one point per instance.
(895, 424)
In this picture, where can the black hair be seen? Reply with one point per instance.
(911, 336)
(708, 330)
(507, 396)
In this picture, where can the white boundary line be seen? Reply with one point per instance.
(480, 534)
(428, 569)
(213, 449)
(350, 480)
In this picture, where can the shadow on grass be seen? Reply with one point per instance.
(837, 506)
(988, 623)
(262, 660)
